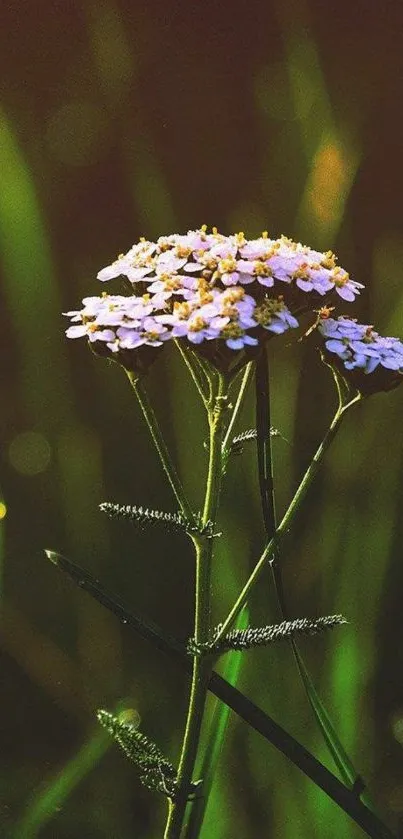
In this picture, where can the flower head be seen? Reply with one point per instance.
(224, 295)
(369, 361)
(234, 260)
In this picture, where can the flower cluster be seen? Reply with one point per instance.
(179, 262)
(222, 292)
(119, 322)
(358, 350)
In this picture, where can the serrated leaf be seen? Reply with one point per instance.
(144, 517)
(248, 436)
(156, 772)
(262, 636)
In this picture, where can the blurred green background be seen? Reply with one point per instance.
(125, 119)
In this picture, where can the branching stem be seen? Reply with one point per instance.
(202, 667)
(289, 516)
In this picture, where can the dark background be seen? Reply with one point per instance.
(125, 119)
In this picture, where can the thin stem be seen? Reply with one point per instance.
(202, 667)
(238, 404)
(338, 753)
(218, 725)
(161, 446)
(289, 516)
(264, 443)
(195, 369)
(216, 416)
(219, 722)
(220, 718)
(215, 739)
(345, 766)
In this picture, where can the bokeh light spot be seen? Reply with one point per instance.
(130, 716)
(332, 173)
(3, 510)
(327, 179)
(78, 133)
(29, 453)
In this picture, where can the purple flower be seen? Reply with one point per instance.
(232, 260)
(135, 264)
(150, 332)
(196, 288)
(362, 352)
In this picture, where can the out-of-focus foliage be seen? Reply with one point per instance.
(128, 119)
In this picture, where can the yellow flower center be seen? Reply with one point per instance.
(232, 330)
(264, 312)
(329, 260)
(182, 251)
(340, 277)
(232, 295)
(197, 324)
(227, 265)
(302, 272)
(260, 269)
(240, 239)
(182, 310)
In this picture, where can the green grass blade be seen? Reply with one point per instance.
(45, 805)
(30, 288)
(342, 795)
(347, 771)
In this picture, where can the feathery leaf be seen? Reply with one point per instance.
(156, 772)
(247, 639)
(247, 436)
(144, 517)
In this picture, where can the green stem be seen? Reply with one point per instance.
(218, 726)
(336, 749)
(195, 369)
(264, 443)
(215, 740)
(289, 516)
(161, 446)
(238, 404)
(202, 667)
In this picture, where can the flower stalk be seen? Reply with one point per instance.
(271, 547)
(160, 445)
(202, 667)
(336, 749)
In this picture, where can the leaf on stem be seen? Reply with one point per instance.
(257, 719)
(247, 639)
(250, 434)
(156, 771)
(145, 628)
(143, 517)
